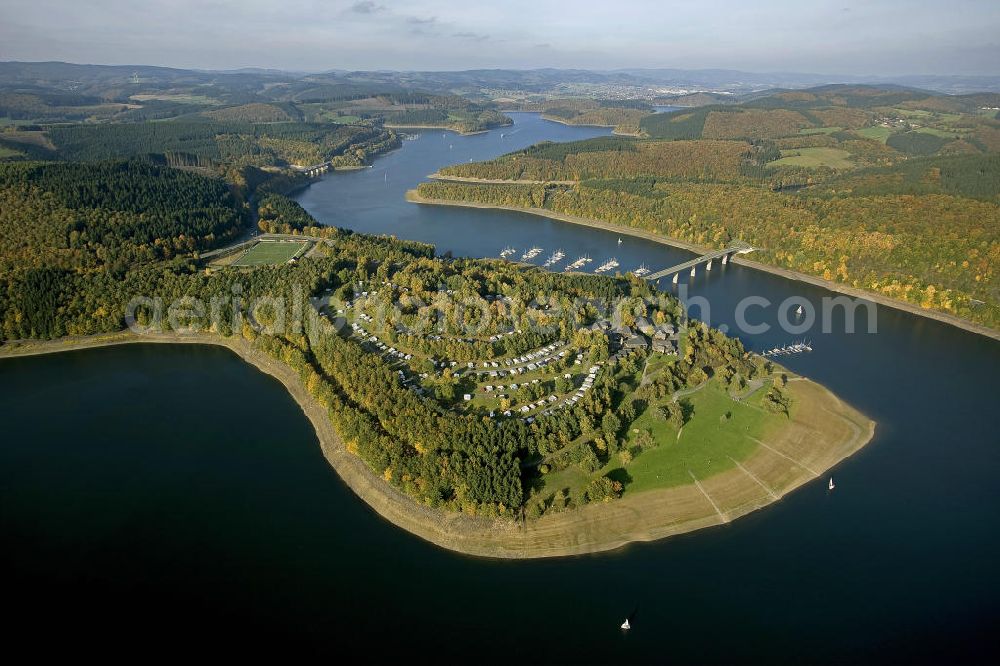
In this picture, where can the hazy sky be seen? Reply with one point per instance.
(877, 37)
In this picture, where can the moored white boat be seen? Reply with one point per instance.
(531, 254)
(607, 266)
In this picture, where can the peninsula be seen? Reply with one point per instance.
(594, 417)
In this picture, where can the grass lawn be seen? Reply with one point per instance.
(820, 130)
(834, 158)
(947, 134)
(268, 253)
(657, 362)
(705, 445)
(877, 133)
(572, 479)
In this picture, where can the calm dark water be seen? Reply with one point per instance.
(134, 517)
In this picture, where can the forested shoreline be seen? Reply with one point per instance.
(79, 279)
(875, 190)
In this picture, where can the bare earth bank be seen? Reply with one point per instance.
(821, 432)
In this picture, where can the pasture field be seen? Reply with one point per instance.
(180, 98)
(270, 253)
(6, 121)
(835, 158)
(945, 134)
(878, 133)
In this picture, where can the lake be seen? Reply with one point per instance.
(159, 498)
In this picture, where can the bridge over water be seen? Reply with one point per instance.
(738, 247)
(314, 170)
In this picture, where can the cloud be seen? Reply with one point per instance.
(881, 37)
(367, 7)
(474, 36)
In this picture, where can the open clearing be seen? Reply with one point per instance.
(945, 134)
(878, 133)
(269, 253)
(180, 98)
(835, 158)
(721, 431)
(707, 444)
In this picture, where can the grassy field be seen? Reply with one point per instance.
(268, 253)
(877, 133)
(706, 446)
(181, 98)
(834, 158)
(929, 116)
(947, 134)
(8, 152)
(719, 432)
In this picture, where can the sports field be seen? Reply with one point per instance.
(267, 253)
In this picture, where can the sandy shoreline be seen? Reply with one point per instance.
(437, 127)
(589, 529)
(489, 181)
(943, 317)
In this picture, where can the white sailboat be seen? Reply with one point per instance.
(798, 311)
(619, 240)
(626, 625)
(831, 486)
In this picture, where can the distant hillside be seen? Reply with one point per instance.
(252, 113)
(889, 189)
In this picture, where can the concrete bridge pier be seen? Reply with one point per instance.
(675, 277)
(709, 267)
(725, 259)
(693, 268)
